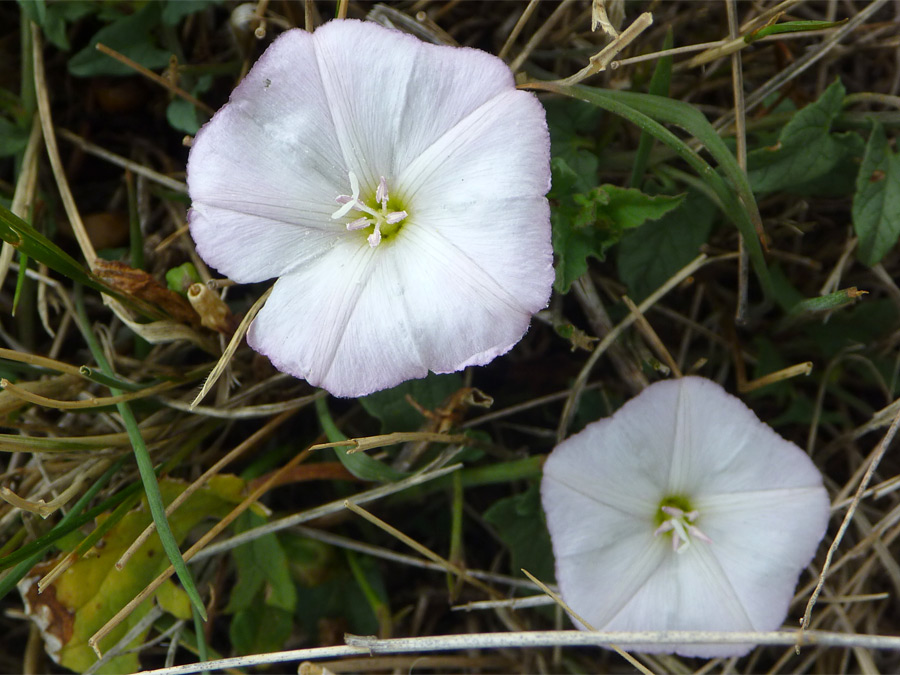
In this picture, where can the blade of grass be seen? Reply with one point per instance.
(22, 236)
(380, 609)
(32, 243)
(20, 281)
(202, 651)
(659, 86)
(108, 381)
(144, 464)
(647, 111)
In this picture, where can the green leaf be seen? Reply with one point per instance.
(260, 629)
(659, 86)
(93, 590)
(53, 17)
(176, 10)
(572, 124)
(128, 35)
(520, 523)
(395, 413)
(829, 302)
(587, 224)
(619, 208)
(359, 463)
(263, 574)
(648, 112)
(13, 138)
(651, 254)
(876, 204)
(340, 597)
(806, 150)
(181, 278)
(182, 115)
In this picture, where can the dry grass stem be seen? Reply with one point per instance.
(153, 77)
(65, 192)
(848, 517)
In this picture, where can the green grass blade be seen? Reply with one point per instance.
(20, 281)
(107, 381)
(145, 466)
(659, 86)
(791, 27)
(202, 651)
(642, 110)
(30, 242)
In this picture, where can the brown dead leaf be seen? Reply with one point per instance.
(145, 289)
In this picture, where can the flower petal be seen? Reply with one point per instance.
(764, 540)
(587, 464)
(394, 96)
(738, 453)
(460, 313)
(689, 591)
(450, 285)
(759, 502)
(500, 150)
(263, 186)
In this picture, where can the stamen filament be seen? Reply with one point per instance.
(680, 524)
(379, 219)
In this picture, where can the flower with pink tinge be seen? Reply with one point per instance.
(396, 191)
(682, 511)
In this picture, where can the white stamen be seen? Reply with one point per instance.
(375, 218)
(349, 201)
(680, 524)
(358, 224)
(395, 217)
(375, 238)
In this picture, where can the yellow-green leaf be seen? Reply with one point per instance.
(92, 590)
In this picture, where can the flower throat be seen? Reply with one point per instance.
(381, 216)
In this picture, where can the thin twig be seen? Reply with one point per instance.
(574, 395)
(740, 131)
(651, 336)
(23, 195)
(153, 77)
(539, 35)
(520, 24)
(43, 100)
(367, 645)
(124, 162)
(870, 471)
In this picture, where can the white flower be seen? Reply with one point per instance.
(682, 511)
(395, 188)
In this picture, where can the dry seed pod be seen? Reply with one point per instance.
(214, 313)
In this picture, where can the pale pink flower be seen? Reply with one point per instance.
(682, 511)
(395, 188)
